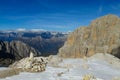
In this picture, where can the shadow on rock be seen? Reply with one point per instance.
(116, 52)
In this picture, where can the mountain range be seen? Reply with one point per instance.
(15, 45)
(46, 42)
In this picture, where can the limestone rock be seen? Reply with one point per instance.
(34, 64)
(29, 64)
(89, 77)
(31, 55)
(101, 36)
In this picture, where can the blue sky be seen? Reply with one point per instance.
(55, 15)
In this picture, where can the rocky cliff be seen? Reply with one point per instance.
(101, 36)
(15, 50)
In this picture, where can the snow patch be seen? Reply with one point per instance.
(72, 69)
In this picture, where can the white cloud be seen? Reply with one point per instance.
(21, 29)
(37, 30)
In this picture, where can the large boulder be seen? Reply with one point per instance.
(15, 50)
(30, 64)
(101, 36)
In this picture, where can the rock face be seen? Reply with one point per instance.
(101, 36)
(15, 50)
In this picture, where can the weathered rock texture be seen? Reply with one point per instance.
(30, 64)
(89, 77)
(101, 36)
(15, 50)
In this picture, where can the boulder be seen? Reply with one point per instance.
(101, 36)
(31, 64)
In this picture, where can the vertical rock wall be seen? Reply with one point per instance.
(101, 36)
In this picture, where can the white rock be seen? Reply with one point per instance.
(31, 55)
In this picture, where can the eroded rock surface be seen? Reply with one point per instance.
(89, 77)
(101, 36)
(31, 64)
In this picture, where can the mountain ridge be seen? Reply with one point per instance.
(46, 42)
